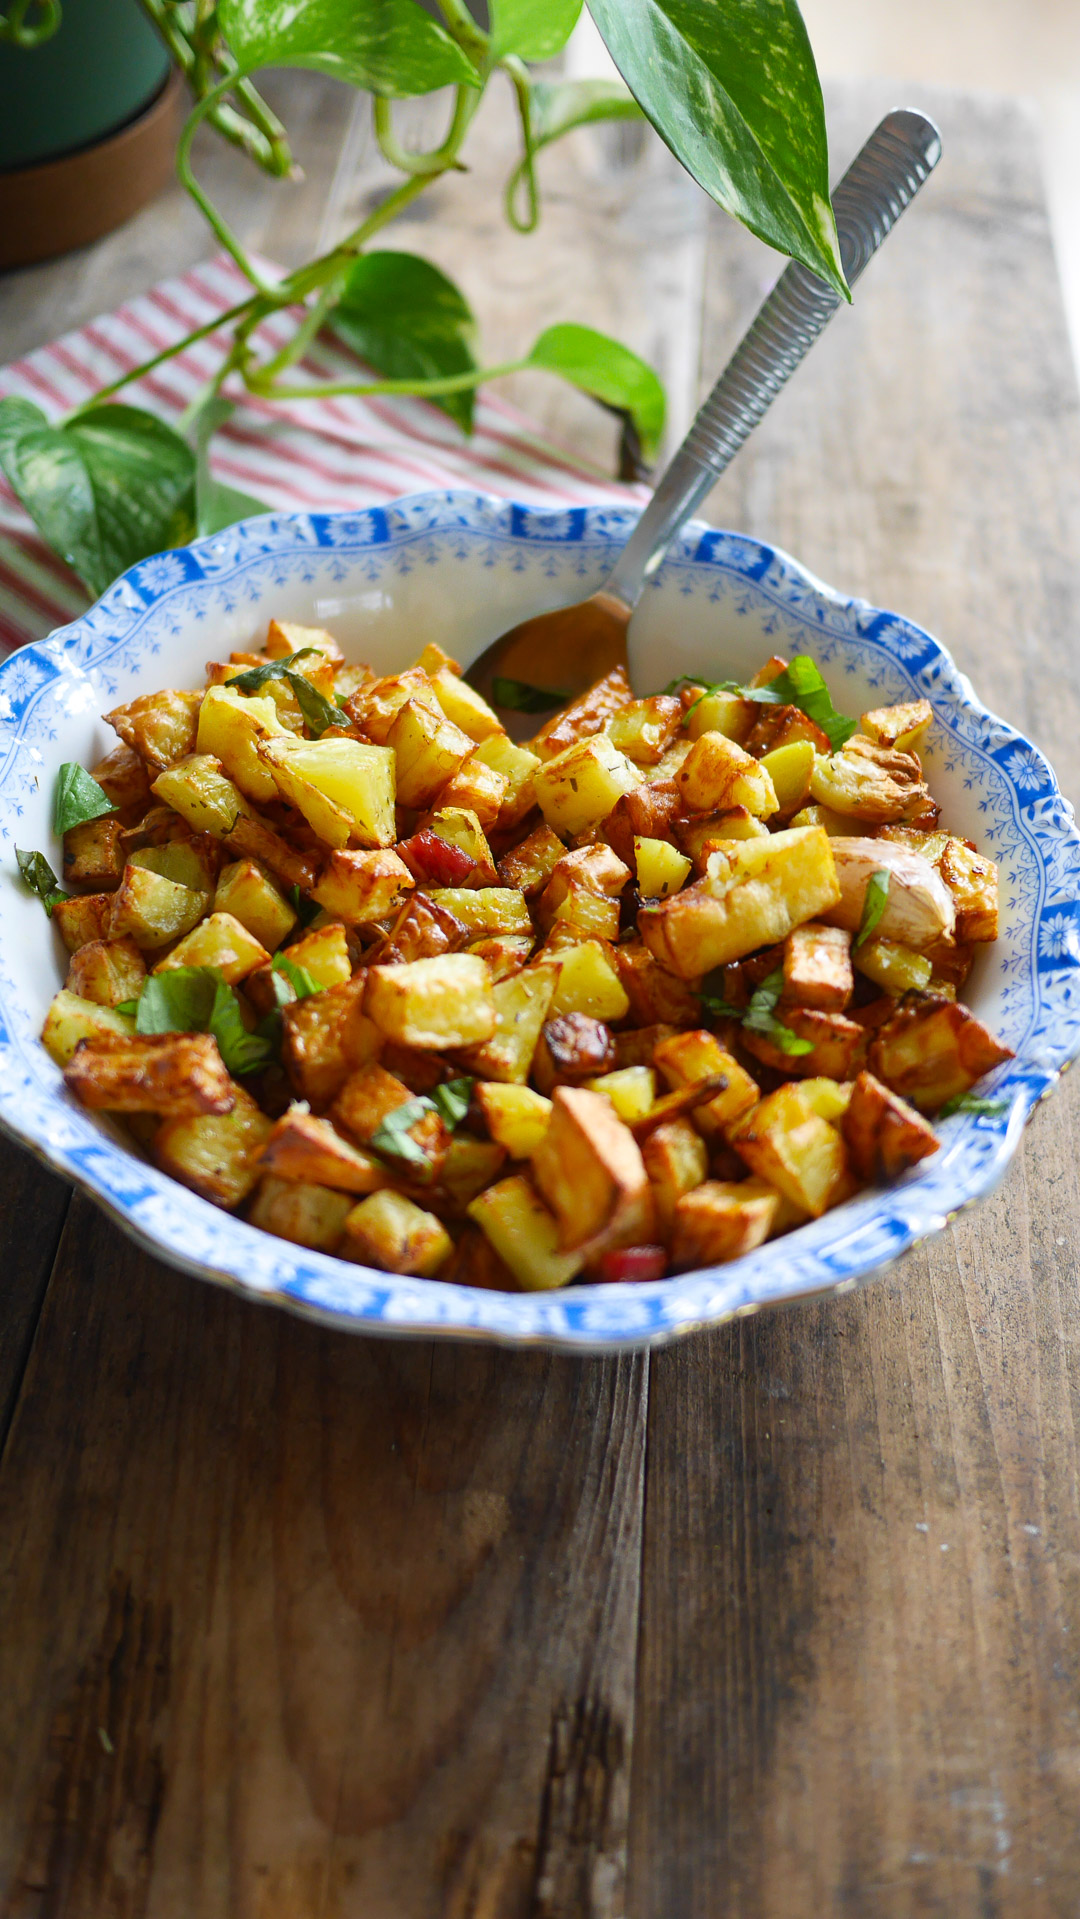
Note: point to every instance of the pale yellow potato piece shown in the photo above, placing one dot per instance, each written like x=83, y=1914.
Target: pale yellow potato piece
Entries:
x=516, y=766
x=464, y=706
x=516, y=1116
x=152, y=909
x=485, y=910
x=631, y=1090
x=717, y=774
x=217, y=1155
x=71, y=1019
x=231, y=724
x=428, y=750
x=198, y=789
x=360, y=886
x=304, y=1213
x=589, y=982
x=525, y=1235
x=344, y=789
x=754, y=893
x=661, y=868
x=790, y=769
x=580, y=785
x=393, y=1233
x=448, y=1001
x=246, y=890
x=588, y=1168
x=220, y=941
x=522, y=1004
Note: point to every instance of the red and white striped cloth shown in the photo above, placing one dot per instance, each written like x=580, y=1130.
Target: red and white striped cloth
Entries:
x=299, y=454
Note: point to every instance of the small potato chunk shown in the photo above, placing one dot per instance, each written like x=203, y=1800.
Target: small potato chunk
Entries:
x=362, y=886
x=725, y=713
x=530, y=865
x=932, y=1050
x=422, y=930
x=790, y=768
x=656, y=996
x=327, y=1036
x=174, y=1073
x=591, y=869
x=648, y=811
x=869, y=782
x=720, y=1221
x=71, y=1019
x=588, y=981
x=324, y=953
x=581, y=784
x=676, y=1160
x=428, y=751
x=459, y=827
x=393, y=1233
x=525, y=1235
x=884, y=1134
x=902, y=727
x=375, y=708
x=483, y=790
x=121, y=776
x=586, y=715
x=248, y=893
x=367, y=1100
x=187, y=861
x=778, y=727
x=505, y=955
x=893, y=967
x=441, y=1002
x=691, y=1059
x=218, y=941
x=973, y=882
x=661, y=868
x=94, y=855
x=231, y=724
x=644, y=729
x=795, y=1150
x=463, y=705
x=254, y=839
x=817, y=967
x=469, y=1166
x=344, y=789
x=836, y=1045
x=197, y=789
x=717, y=774
x=516, y=767
x=700, y=837
x=589, y=1170
x=588, y=914
x=159, y=726
x=522, y=1004
x=631, y=1090
x=308, y=1215
x=217, y=1156
x=484, y=911
x=754, y=893
x=302, y=1147
x=152, y=909
x=83, y=919
x=572, y=1048
x=515, y=1116
x=285, y=637
x=919, y=908
x=107, y=971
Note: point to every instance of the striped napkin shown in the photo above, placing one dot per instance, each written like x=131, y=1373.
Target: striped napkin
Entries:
x=295, y=455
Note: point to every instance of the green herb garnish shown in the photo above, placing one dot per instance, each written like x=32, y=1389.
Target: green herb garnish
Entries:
x=875, y=900
x=451, y=1100
x=800, y=684
x=196, y=999
x=318, y=711
x=78, y=798
x=41, y=879
x=394, y=1138
x=305, y=910
x=760, y=1017
x=973, y=1103
x=290, y=981
x=520, y=697
x=713, y=1000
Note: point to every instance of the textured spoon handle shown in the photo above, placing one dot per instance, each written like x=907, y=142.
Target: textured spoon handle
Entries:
x=885, y=177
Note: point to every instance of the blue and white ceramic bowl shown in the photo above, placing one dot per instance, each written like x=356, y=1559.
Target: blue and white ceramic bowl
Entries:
x=460, y=568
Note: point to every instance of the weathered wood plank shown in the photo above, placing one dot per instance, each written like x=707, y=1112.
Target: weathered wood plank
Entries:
x=31, y=1221
x=858, y=1689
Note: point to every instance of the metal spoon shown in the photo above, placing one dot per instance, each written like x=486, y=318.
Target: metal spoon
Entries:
x=570, y=647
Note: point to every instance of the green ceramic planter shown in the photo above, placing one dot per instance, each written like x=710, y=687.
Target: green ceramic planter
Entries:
x=100, y=70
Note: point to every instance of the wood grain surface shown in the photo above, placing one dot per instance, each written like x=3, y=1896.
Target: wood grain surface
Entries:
x=298, y=1626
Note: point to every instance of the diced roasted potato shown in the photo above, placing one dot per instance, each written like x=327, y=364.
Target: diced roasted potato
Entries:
x=485, y=911
x=487, y=790
x=588, y=981
x=631, y=1090
x=284, y=637
x=428, y=751
x=697, y=1058
x=700, y=837
x=231, y=724
x=529, y=865
x=70, y=1020
x=834, y=824
x=903, y=727
x=656, y=996
x=152, y=909
x=324, y=953
x=590, y=915
x=219, y=941
x=94, y=855
x=895, y=968
x=572, y=1048
x=469, y=1166
x=973, y=882
x=932, y=1050
x=378, y=704
x=515, y=1116
x=393, y=1233
x=83, y=919
x=363, y=886
x=661, y=868
x=458, y=826
x=719, y=1221
x=216, y=1155
x=778, y=727
x=586, y=715
x=588, y=1168
x=302, y=1147
x=107, y=971
x=869, y=782
x=199, y=791
x=918, y=906
x=580, y=785
x=327, y=1036
x=159, y=726
x=726, y=713
x=644, y=729
x=648, y=811
x=121, y=776
x=504, y=955
x=717, y=774
x=174, y=1073
x=441, y=1002
x=463, y=705
x=836, y=1044
x=436, y=862
x=254, y=839
x=593, y=869
x=344, y=789
x=525, y=1235
x=191, y=861
x=755, y=892
x=676, y=1160
x=521, y=1004
x=790, y=767
x=247, y=892
x=423, y=929
x=796, y=1150
x=367, y=1100
x=308, y=1215
x=817, y=967
x=884, y=1135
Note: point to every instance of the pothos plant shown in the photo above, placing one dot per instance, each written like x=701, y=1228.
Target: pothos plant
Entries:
x=730, y=86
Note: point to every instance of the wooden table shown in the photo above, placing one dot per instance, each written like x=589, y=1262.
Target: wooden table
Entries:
x=780, y=1621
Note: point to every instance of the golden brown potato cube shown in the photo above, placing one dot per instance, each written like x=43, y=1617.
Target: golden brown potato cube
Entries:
x=790, y=767
x=309, y=1215
x=375, y=708
x=516, y=767
x=505, y=955
x=588, y=914
x=817, y=967
x=459, y=826
x=422, y=930
x=525, y=1235
x=284, y=637
x=932, y=1050
x=363, y=886
x=894, y=967
x=107, y=971
x=584, y=716
x=199, y=791
x=247, y=892
x=636, y=1047
x=644, y=729
x=593, y=869
x=350, y=679
x=691, y=1059
x=393, y=1233
x=463, y=705
x=188, y=860
x=302, y=1147
x=94, y=856
x=152, y=909
x=753, y=893
x=661, y=868
x=121, y=776
x=83, y=919
x=484, y=911
x=435, y=659
x=676, y=1160
x=836, y=1044
x=698, y=838
x=428, y=752
x=159, y=726
x=580, y=786
x=529, y=865
x=884, y=1135
x=869, y=782
x=777, y=727
x=588, y=1168
x=631, y=1090
x=903, y=727
x=719, y=1221
x=656, y=996
x=795, y=1150
x=487, y=790
x=174, y=1073
x=256, y=840
x=650, y=811
x=522, y=1004
x=327, y=1036
x=70, y=1020
x=217, y=1156
x=231, y=724
x=973, y=882
x=343, y=787
x=469, y=1166
x=366, y=1102
x=726, y=713
x=515, y=1116
x=570, y=1049
x=219, y=941
x=324, y=953
x=716, y=775
x=441, y=1002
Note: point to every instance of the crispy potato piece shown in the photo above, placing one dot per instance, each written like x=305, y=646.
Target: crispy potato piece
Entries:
x=579, y=786
x=636, y=1046
x=362, y=886
x=247, y=892
x=589, y=1170
x=817, y=967
x=973, y=882
x=176, y=1073
x=284, y=637
x=464, y=706
x=796, y=1150
x=525, y=1235
x=83, y=919
x=216, y=1155
x=894, y=967
x=327, y=1036
x=932, y=1050
x=778, y=727
x=717, y=774
x=530, y=865
x=588, y=980
x=591, y=869
x=902, y=727
x=436, y=862
x=121, y=776
x=302, y=1147
x=324, y=953
x=755, y=892
x=631, y=1090
x=725, y=713
x=152, y=909
x=499, y=794
x=676, y=1160
x=870, y=782
x=485, y=911
x=344, y=788
x=367, y=1099
x=218, y=941
x=584, y=716
x=661, y=868
x=416, y=1070
x=719, y=1221
x=522, y=1004
x=393, y=1233
x=308, y=1215
x=884, y=1135
x=588, y=915
x=422, y=930
x=375, y=708
x=837, y=1044
x=644, y=729
x=505, y=955
x=570, y=1049
x=94, y=856
x=231, y=724
x=691, y=1059
x=258, y=841
x=649, y=811
x=160, y=727
x=106, y=971
x=428, y=751
x=70, y=1020
x=197, y=789
x=700, y=837
x=656, y=996
x=918, y=908
x=515, y=1116
x=441, y=1002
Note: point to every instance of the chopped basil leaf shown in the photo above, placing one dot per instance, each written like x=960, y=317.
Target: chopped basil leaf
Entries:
x=242, y=1052
x=291, y=982
x=180, y=1000
x=318, y=711
x=305, y=910
x=451, y=1100
x=129, y=1008
x=254, y=678
x=520, y=697
x=711, y=995
x=78, y=798
x=393, y=1138
x=973, y=1103
x=41, y=879
x=760, y=1017
x=875, y=901
x=800, y=684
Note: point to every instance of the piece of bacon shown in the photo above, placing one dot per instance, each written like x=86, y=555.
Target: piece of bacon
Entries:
x=633, y=1262
x=436, y=862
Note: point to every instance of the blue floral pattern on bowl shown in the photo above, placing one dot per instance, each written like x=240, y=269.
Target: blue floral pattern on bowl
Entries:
x=459, y=568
